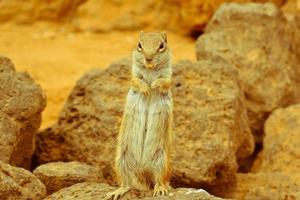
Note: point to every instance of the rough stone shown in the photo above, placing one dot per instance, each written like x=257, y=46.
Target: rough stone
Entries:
x=18, y=183
x=281, y=152
x=91, y=191
x=21, y=103
x=58, y=175
x=187, y=17
x=210, y=122
x=255, y=38
x=32, y=10
x=266, y=186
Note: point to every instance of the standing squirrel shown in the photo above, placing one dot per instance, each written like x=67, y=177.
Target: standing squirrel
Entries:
x=144, y=141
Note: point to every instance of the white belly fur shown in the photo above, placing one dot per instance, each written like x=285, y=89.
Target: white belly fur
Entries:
x=148, y=124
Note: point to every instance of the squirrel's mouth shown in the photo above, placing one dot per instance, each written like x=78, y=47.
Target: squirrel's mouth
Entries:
x=149, y=65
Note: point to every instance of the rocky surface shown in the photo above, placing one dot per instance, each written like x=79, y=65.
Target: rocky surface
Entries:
x=188, y=17
x=281, y=152
x=18, y=183
x=21, y=103
x=257, y=40
x=91, y=191
x=266, y=186
x=58, y=175
x=210, y=124
x=89, y=122
x=32, y=10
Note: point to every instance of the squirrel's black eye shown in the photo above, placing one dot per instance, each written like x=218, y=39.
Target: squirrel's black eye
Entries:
x=139, y=47
x=161, y=46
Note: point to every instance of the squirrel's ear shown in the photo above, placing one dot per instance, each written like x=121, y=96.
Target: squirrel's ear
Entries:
x=164, y=35
x=141, y=34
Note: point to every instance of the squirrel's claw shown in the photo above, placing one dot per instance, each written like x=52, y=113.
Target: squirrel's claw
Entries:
x=160, y=191
x=116, y=194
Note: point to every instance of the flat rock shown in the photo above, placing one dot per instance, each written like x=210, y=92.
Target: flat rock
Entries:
x=281, y=152
x=18, y=183
x=21, y=103
x=58, y=175
x=258, y=41
x=210, y=122
x=91, y=191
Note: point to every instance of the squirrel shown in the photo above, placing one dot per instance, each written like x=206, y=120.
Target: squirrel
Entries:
x=143, y=150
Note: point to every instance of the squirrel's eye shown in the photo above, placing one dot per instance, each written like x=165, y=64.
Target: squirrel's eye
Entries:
x=139, y=47
x=161, y=46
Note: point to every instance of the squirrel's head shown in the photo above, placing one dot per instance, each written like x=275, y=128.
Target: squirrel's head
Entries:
x=152, y=50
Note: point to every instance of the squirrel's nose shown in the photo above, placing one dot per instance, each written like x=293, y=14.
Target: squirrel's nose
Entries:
x=148, y=59
x=148, y=56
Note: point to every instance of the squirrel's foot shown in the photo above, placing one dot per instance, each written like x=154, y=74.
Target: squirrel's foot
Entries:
x=117, y=193
x=160, y=190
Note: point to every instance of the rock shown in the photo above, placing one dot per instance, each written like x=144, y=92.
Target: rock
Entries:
x=277, y=166
x=89, y=122
x=281, y=152
x=255, y=38
x=266, y=186
x=187, y=17
x=211, y=125
x=32, y=10
x=91, y=191
x=58, y=175
x=210, y=122
x=21, y=103
x=18, y=183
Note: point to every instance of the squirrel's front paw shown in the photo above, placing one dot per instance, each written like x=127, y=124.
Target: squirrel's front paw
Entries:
x=145, y=90
x=162, y=88
x=155, y=84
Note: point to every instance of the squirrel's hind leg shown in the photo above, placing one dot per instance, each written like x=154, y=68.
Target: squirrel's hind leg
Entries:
x=162, y=176
x=161, y=187
x=123, y=189
x=125, y=171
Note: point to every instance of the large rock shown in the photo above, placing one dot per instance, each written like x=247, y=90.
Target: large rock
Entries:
x=188, y=17
x=211, y=125
x=58, y=175
x=91, y=191
x=266, y=186
x=281, y=147
x=89, y=122
x=257, y=40
x=32, y=10
x=18, y=183
x=21, y=104
x=210, y=122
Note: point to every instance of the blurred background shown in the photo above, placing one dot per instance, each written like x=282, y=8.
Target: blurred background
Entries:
x=56, y=41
